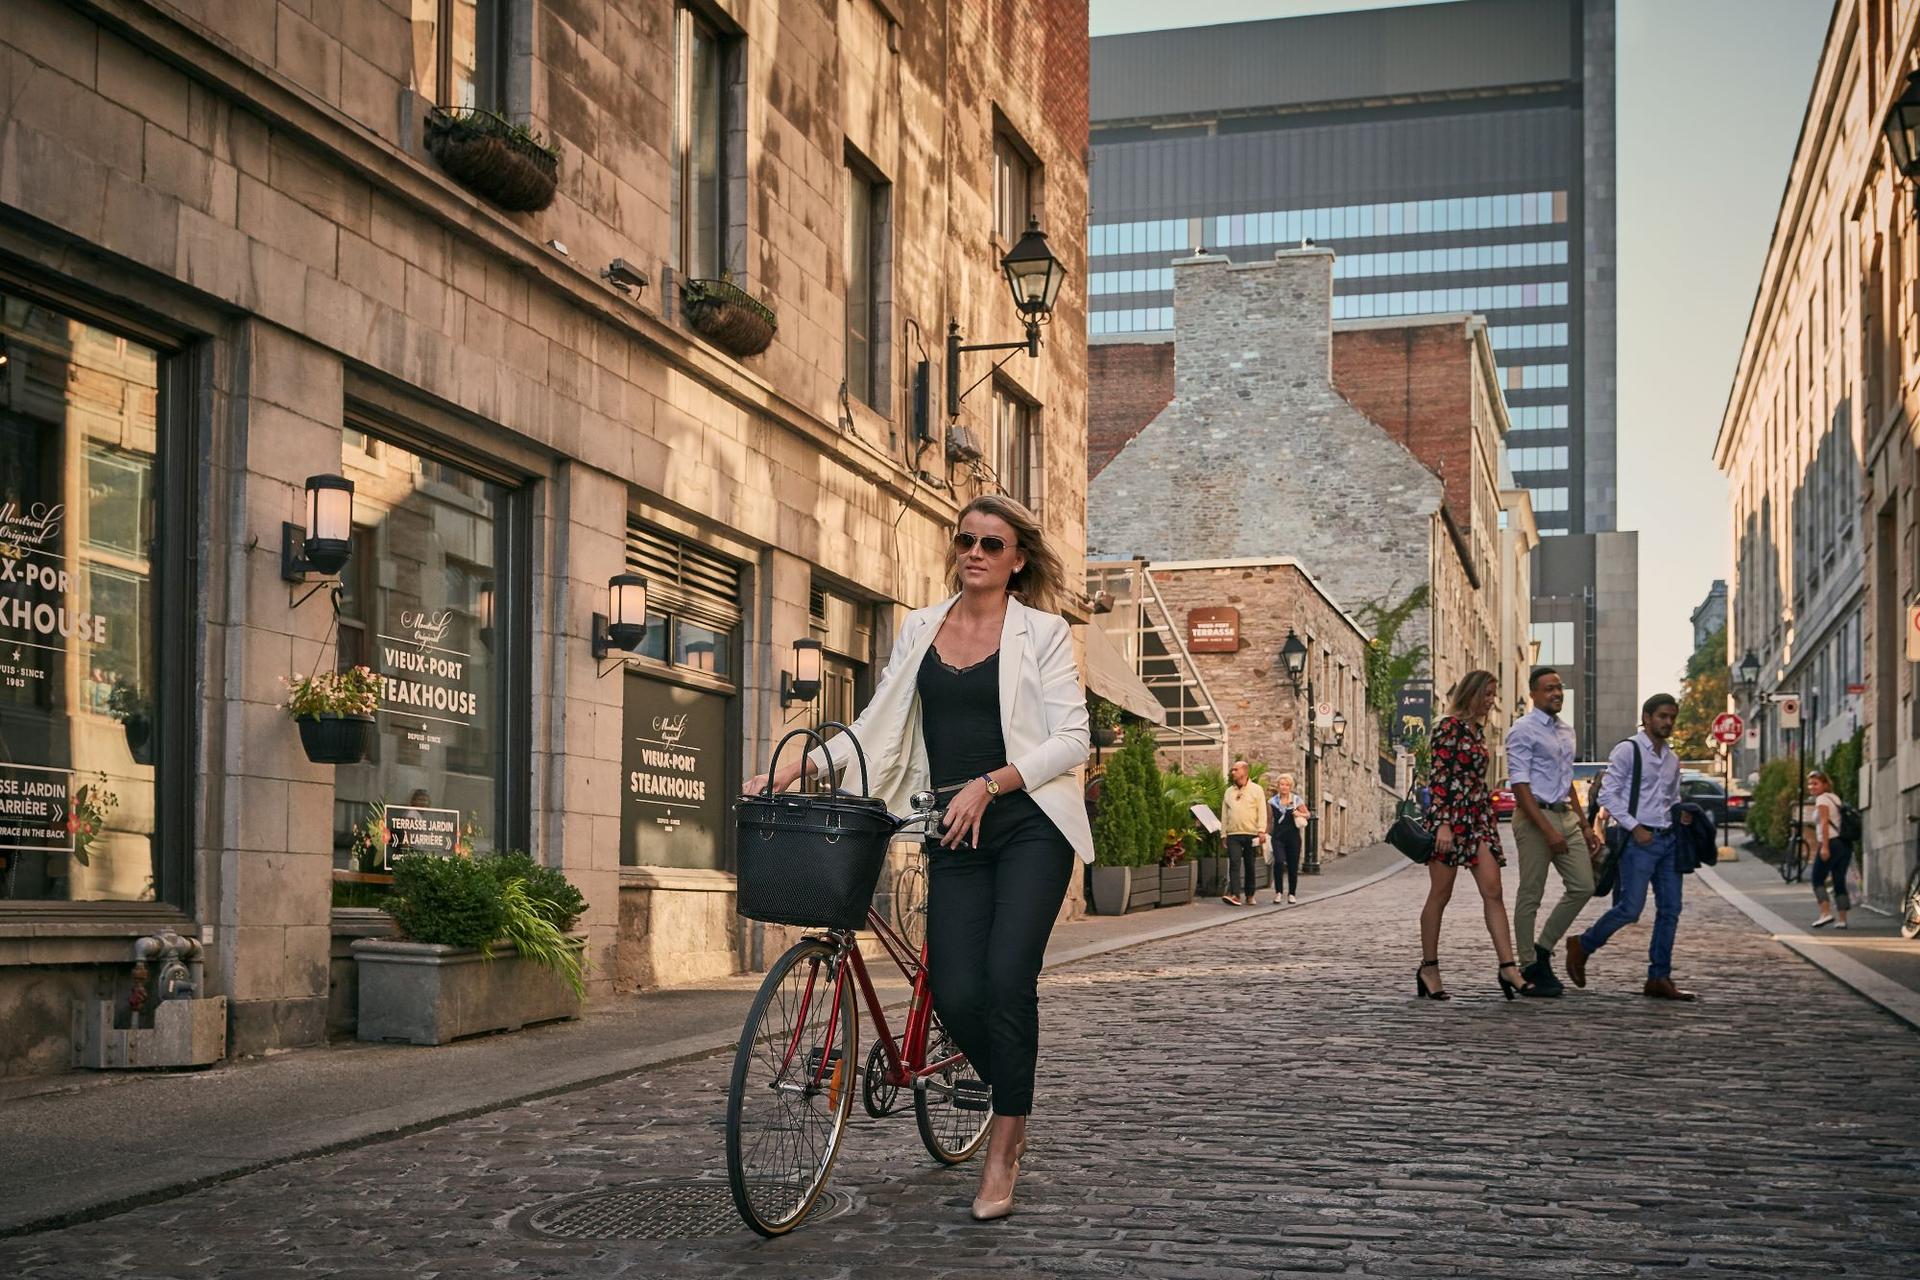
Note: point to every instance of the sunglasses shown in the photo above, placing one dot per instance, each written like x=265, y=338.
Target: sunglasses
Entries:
x=989, y=544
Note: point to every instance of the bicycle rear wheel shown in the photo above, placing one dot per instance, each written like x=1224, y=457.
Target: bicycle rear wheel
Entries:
x=951, y=1134
x=794, y=1077
x=1792, y=863
x=910, y=902
x=1910, y=908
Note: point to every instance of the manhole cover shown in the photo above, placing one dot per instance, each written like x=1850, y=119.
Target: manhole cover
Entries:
x=657, y=1211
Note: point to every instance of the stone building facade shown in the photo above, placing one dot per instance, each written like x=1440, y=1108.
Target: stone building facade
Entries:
x=229, y=262
x=1519, y=535
x=1266, y=719
x=1818, y=441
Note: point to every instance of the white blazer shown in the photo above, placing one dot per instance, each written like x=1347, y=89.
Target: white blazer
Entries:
x=1043, y=717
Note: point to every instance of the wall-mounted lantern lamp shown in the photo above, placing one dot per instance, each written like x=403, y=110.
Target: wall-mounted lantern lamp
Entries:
x=802, y=682
x=1902, y=130
x=1293, y=656
x=624, y=625
x=324, y=546
x=1750, y=670
x=1339, y=727
x=1035, y=276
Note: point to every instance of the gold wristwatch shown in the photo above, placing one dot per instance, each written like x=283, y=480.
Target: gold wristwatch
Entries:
x=993, y=788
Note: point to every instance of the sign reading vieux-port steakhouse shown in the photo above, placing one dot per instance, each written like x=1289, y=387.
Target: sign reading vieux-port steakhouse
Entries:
x=674, y=763
x=34, y=805
x=36, y=588
x=425, y=685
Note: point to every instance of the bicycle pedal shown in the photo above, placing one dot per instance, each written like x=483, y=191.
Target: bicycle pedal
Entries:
x=813, y=1060
x=972, y=1095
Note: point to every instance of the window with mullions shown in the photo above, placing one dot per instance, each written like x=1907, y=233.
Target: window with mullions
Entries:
x=867, y=292
x=94, y=739
x=1014, y=180
x=429, y=602
x=460, y=52
x=708, y=144
x=1016, y=449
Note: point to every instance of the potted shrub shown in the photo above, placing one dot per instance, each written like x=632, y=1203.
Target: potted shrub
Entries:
x=485, y=945
x=1103, y=717
x=334, y=710
x=1128, y=827
x=1178, y=876
x=134, y=711
x=726, y=315
x=494, y=158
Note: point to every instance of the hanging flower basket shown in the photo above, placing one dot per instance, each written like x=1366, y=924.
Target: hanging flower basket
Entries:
x=139, y=738
x=332, y=739
x=726, y=315
x=494, y=158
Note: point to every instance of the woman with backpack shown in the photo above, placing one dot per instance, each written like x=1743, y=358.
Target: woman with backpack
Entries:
x=1832, y=851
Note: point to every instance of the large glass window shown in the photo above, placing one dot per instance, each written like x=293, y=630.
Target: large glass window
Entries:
x=427, y=601
x=1013, y=191
x=459, y=52
x=80, y=705
x=866, y=277
x=1016, y=453
x=705, y=146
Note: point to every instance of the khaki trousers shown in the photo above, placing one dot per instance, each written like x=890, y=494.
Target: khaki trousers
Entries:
x=1576, y=874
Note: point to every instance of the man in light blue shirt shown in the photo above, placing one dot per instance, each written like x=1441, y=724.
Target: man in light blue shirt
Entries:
x=1548, y=828
x=1649, y=854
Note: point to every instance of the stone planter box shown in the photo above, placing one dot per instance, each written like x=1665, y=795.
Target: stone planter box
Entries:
x=1213, y=876
x=1177, y=884
x=424, y=993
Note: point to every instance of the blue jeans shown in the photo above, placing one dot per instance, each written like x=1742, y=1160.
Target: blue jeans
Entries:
x=1655, y=863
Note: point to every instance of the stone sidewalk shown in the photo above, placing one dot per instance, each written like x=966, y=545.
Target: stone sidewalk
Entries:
x=83, y=1144
x=1257, y=1101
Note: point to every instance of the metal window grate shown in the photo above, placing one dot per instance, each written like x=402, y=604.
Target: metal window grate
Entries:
x=661, y=1211
x=685, y=578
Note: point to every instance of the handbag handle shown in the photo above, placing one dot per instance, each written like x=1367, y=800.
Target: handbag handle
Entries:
x=804, y=732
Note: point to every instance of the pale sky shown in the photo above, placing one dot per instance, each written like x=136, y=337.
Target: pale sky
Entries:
x=1711, y=93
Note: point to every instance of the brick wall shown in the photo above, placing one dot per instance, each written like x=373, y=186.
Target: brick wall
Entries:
x=1128, y=384
x=1265, y=719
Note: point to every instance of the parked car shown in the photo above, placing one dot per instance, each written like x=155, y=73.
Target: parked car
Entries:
x=1707, y=792
x=1504, y=804
x=1737, y=802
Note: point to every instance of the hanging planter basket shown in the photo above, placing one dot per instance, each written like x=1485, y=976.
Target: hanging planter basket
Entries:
x=332, y=739
x=139, y=738
x=1105, y=736
x=494, y=158
x=727, y=316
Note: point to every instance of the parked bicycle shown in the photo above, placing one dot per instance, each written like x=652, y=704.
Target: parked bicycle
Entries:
x=1793, y=859
x=814, y=861
x=1910, y=900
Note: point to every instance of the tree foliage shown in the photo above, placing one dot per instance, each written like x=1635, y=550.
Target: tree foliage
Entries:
x=1130, y=825
x=1703, y=695
x=1389, y=664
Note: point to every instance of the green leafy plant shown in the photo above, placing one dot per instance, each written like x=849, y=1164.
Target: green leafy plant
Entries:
x=93, y=803
x=492, y=124
x=549, y=891
x=1843, y=766
x=706, y=292
x=368, y=851
x=1419, y=744
x=1770, y=811
x=455, y=902
x=1390, y=667
x=353, y=692
x=530, y=928
x=1101, y=713
x=126, y=702
x=1703, y=696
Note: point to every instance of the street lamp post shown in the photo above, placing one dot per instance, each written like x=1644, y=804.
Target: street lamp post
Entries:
x=1293, y=658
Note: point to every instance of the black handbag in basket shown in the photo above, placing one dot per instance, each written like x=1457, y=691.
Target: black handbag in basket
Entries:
x=812, y=858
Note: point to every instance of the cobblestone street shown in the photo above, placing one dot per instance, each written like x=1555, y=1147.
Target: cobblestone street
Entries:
x=1263, y=1099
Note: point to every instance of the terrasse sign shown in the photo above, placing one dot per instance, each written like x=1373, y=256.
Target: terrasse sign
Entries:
x=1215, y=630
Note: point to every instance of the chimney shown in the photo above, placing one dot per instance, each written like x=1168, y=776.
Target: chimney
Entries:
x=1248, y=330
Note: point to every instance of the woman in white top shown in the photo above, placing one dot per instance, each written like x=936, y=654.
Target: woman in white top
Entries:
x=982, y=702
x=1831, y=852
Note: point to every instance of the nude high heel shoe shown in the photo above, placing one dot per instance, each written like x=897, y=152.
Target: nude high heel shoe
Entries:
x=985, y=1210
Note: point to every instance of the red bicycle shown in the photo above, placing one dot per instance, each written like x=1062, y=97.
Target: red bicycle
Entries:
x=793, y=1082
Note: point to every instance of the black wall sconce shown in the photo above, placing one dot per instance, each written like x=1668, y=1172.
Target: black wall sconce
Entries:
x=624, y=625
x=325, y=545
x=1902, y=131
x=1035, y=276
x=802, y=682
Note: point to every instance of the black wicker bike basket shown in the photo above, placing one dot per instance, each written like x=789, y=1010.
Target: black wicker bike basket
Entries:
x=812, y=859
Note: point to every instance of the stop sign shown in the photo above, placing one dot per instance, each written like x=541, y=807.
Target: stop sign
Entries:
x=1727, y=728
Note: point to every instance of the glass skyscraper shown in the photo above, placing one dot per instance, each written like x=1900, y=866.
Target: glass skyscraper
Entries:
x=1457, y=157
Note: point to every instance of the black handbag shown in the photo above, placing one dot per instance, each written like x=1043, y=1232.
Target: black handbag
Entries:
x=812, y=858
x=1411, y=836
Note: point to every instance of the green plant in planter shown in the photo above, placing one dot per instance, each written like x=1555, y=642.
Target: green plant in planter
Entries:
x=353, y=692
x=127, y=702
x=549, y=890
x=530, y=928
x=454, y=902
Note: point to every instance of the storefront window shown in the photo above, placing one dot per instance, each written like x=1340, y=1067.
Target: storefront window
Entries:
x=79, y=460
x=425, y=602
x=680, y=717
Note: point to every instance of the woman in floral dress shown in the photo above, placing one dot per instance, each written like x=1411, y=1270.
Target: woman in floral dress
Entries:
x=1466, y=833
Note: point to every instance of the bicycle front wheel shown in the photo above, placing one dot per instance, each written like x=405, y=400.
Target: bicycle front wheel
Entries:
x=794, y=1077
x=1910, y=908
x=952, y=1134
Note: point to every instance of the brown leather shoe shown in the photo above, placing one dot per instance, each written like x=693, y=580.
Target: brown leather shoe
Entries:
x=1663, y=989
x=1576, y=961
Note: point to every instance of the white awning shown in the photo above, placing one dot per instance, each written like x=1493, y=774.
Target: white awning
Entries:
x=1110, y=675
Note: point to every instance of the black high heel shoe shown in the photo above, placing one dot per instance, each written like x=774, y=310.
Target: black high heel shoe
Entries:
x=1508, y=989
x=1421, y=989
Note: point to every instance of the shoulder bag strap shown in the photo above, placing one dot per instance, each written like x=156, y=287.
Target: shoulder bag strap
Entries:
x=1633, y=805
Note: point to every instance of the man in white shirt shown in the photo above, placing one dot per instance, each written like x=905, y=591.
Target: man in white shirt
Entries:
x=1548, y=828
x=1650, y=853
